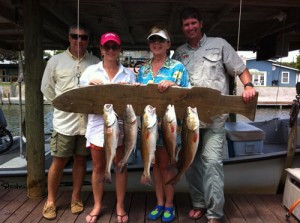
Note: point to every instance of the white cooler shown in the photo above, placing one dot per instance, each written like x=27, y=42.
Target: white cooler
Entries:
x=292, y=190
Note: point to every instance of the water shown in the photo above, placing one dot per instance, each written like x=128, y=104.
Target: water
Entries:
x=11, y=113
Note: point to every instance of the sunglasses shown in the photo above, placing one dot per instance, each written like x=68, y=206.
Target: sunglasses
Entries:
x=111, y=47
x=154, y=39
x=76, y=36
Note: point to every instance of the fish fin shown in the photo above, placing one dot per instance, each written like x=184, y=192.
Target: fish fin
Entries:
x=172, y=128
x=196, y=135
x=146, y=180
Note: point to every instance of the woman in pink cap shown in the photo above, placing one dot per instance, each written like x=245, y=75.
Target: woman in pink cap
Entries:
x=106, y=72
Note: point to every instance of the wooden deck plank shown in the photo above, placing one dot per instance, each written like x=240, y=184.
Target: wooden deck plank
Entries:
x=88, y=201
x=25, y=209
x=274, y=203
x=150, y=204
x=36, y=214
x=67, y=214
x=9, y=204
x=183, y=205
x=232, y=211
x=137, y=208
x=16, y=207
x=248, y=212
x=260, y=207
x=62, y=205
x=108, y=206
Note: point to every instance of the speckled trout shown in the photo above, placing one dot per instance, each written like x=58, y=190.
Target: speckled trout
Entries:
x=169, y=128
x=111, y=136
x=149, y=138
x=130, y=136
x=190, y=141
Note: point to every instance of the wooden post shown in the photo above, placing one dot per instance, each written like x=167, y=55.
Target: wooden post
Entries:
x=34, y=115
x=292, y=141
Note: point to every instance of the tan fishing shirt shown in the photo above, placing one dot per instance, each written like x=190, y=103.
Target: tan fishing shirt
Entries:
x=62, y=74
x=209, y=65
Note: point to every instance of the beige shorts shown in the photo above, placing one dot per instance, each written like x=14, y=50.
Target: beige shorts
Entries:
x=66, y=146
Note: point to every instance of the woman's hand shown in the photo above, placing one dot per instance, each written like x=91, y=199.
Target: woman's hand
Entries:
x=164, y=85
x=96, y=82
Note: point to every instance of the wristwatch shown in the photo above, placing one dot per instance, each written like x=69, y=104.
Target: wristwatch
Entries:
x=248, y=84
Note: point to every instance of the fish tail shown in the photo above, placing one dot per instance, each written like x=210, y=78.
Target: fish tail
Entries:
x=173, y=181
x=119, y=167
x=146, y=180
x=107, y=178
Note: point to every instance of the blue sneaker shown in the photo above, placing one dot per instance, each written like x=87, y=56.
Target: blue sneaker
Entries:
x=168, y=215
x=156, y=213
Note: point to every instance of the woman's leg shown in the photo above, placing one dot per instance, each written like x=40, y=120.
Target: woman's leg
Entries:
x=166, y=174
x=158, y=181
x=121, y=183
x=98, y=159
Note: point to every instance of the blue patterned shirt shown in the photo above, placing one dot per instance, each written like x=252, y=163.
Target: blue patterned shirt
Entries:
x=172, y=70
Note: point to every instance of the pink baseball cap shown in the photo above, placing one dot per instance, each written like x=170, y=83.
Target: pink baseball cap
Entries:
x=110, y=37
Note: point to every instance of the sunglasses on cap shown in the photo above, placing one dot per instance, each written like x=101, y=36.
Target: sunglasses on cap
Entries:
x=77, y=36
x=111, y=47
x=154, y=39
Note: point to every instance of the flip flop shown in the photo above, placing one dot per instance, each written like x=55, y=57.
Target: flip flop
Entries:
x=122, y=218
x=196, y=213
x=93, y=218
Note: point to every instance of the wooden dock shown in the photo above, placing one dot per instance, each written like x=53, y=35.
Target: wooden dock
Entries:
x=15, y=207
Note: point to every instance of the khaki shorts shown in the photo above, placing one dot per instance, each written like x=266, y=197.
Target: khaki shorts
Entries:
x=66, y=146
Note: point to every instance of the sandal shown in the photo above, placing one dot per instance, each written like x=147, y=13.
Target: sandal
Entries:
x=168, y=215
x=196, y=213
x=156, y=213
x=93, y=218
x=122, y=218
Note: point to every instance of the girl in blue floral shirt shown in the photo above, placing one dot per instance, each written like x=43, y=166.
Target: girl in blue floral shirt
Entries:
x=165, y=72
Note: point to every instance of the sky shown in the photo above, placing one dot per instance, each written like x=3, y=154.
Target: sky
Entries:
x=290, y=58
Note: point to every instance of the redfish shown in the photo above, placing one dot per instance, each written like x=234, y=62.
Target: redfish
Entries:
x=169, y=129
x=149, y=138
x=111, y=136
x=130, y=136
x=190, y=140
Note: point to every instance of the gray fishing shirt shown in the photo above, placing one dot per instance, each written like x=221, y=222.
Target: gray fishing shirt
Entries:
x=209, y=65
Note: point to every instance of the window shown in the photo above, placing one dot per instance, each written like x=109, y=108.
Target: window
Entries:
x=258, y=77
x=285, y=77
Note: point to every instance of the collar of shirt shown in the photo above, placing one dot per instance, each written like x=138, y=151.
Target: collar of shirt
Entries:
x=201, y=43
x=75, y=58
x=121, y=68
x=166, y=63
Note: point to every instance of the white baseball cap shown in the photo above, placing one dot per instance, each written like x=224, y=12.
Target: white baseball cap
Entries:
x=161, y=33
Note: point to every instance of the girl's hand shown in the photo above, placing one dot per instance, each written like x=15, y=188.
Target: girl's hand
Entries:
x=96, y=82
x=164, y=85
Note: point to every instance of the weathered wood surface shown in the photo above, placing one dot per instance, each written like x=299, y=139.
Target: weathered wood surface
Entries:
x=34, y=115
x=15, y=206
x=209, y=102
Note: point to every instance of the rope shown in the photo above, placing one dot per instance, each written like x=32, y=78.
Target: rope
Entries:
x=239, y=26
x=78, y=73
x=234, y=90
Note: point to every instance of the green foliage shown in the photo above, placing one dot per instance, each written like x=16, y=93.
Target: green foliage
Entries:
x=288, y=64
x=294, y=64
x=58, y=51
x=298, y=62
x=8, y=55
